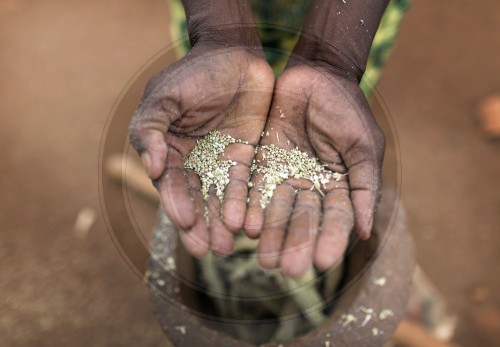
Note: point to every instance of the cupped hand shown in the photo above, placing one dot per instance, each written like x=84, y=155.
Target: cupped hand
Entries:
x=328, y=117
x=228, y=89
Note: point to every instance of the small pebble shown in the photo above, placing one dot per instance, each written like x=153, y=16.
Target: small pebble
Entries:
x=348, y=319
x=380, y=281
x=384, y=314
x=181, y=329
x=170, y=263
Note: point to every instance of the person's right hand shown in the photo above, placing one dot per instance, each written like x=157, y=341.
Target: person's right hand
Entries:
x=228, y=89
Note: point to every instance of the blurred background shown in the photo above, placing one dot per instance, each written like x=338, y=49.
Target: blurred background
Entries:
x=64, y=63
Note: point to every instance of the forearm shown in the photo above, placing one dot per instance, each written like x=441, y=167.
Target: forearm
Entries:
x=338, y=34
x=221, y=22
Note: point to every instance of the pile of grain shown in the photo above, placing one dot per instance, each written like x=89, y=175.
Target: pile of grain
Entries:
x=276, y=166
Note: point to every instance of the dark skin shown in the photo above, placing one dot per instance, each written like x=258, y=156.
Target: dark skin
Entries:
x=214, y=88
x=328, y=117
x=224, y=83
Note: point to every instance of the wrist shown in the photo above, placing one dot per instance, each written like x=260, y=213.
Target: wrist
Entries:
x=326, y=56
x=226, y=36
x=227, y=23
x=338, y=35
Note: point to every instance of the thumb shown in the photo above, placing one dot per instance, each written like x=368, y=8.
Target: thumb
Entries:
x=148, y=139
x=364, y=162
x=154, y=154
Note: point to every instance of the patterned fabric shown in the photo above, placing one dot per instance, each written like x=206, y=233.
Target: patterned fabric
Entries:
x=279, y=23
x=383, y=43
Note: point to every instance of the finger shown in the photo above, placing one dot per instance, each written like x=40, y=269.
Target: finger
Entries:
x=196, y=238
x=277, y=215
x=337, y=223
x=365, y=182
x=235, y=198
x=300, y=240
x=174, y=194
x=236, y=192
x=147, y=135
x=254, y=219
x=221, y=239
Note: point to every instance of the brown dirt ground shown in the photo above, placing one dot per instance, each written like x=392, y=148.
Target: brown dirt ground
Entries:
x=62, y=65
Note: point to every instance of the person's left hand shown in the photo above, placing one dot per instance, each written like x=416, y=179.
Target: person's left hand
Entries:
x=328, y=117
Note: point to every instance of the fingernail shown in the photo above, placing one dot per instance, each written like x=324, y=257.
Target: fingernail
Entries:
x=146, y=161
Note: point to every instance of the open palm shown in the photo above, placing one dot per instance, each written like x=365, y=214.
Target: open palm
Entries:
x=228, y=89
x=327, y=117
